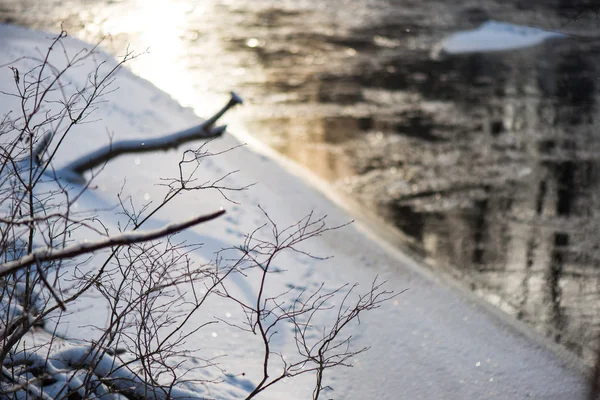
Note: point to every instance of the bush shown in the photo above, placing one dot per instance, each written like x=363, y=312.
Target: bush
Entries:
x=157, y=297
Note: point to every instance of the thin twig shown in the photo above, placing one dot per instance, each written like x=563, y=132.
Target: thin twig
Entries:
x=48, y=285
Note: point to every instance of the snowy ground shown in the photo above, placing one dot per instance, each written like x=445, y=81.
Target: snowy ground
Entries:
x=433, y=341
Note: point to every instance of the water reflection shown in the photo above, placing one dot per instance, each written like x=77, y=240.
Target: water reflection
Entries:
x=488, y=162
x=509, y=212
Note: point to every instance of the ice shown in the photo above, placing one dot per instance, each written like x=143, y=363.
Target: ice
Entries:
x=495, y=36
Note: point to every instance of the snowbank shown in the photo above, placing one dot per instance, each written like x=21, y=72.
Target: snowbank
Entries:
x=433, y=341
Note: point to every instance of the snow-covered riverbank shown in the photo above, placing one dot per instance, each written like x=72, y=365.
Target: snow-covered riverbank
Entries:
x=433, y=341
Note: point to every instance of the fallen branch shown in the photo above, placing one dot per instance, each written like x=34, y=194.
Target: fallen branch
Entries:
x=113, y=150
x=234, y=100
x=75, y=170
x=50, y=254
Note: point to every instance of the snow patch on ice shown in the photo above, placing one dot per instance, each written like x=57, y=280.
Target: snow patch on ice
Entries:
x=494, y=36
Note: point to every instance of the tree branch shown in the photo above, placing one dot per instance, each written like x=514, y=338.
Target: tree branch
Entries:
x=98, y=157
x=50, y=254
x=74, y=171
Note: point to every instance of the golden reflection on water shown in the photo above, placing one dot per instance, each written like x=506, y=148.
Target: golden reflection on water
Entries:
x=187, y=52
x=159, y=31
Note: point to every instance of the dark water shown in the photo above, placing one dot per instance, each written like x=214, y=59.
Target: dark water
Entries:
x=489, y=163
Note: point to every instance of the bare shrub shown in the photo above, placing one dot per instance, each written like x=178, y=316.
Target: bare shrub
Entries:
x=154, y=292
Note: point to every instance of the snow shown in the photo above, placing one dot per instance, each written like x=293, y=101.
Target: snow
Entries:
x=495, y=36
x=436, y=340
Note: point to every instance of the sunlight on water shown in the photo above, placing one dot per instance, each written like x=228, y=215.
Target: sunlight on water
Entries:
x=159, y=25
x=161, y=33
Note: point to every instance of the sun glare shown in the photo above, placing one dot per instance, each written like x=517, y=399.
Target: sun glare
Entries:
x=158, y=27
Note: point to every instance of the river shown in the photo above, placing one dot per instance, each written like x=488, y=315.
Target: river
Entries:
x=487, y=163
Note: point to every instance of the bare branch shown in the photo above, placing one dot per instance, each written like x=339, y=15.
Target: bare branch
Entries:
x=234, y=100
x=50, y=254
x=74, y=171
x=49, y=286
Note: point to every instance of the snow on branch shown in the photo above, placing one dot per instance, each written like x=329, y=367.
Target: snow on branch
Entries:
x=50, y=254
x=75, y=170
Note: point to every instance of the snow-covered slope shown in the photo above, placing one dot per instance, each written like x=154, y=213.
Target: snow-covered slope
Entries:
x=433, y=341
